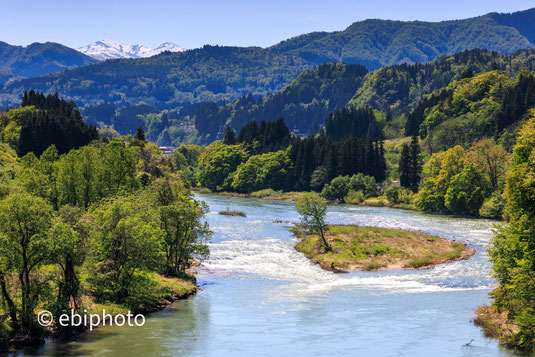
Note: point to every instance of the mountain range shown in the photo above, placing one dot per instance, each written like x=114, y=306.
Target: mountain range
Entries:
x=376, y=43
x=109, y=49
x=215, y=73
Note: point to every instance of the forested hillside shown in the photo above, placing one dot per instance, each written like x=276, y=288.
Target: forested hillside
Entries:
x=490, y=104
x=38, y=59
x=211, y=73
x=214, y=73
x=307, y=101
x=43, y=121
x=377, y=43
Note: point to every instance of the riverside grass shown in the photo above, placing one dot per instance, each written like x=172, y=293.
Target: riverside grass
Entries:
x=372, y=248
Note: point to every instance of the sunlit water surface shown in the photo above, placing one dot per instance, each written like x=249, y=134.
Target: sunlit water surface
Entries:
x=261, y=297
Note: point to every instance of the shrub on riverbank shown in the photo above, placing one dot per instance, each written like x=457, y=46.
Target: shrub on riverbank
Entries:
x=497, y=325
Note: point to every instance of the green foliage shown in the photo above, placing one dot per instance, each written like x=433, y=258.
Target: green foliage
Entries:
x=360, y=123
x=493, y=206
x=354, y=197
x=375, y=43
x=364, y=183
x=411, y=165
x=492, y=160
x=271, y=170
x=337, y=189
x=211, y=73
x=267, y=192
x=512, y=249
x=313, y=210
x=57, y=122
x=441, y=168
x=392, y=193
x=24, y=223
x=217, y=162
x=466, y=192
x=79, y=227
x=341, y=186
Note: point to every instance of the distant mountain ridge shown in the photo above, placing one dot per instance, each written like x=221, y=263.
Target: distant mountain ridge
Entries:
x=109, y=49
x=376, y=43
x=218, y=73
x=38, y=59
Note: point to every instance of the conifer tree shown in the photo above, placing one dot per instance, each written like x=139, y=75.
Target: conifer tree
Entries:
x=229, y=138
x=410, y=165
x=140, y=134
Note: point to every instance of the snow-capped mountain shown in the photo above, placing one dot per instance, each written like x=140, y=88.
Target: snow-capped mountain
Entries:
x=167, y=46
x=107, y=49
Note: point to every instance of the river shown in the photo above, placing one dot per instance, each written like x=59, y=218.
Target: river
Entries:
x=261, y=297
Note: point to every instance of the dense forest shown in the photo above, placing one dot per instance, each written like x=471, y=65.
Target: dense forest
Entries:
x=401, y=93
x=105, y=224
x=42, y=121
x=211, y=73
x=376, y=43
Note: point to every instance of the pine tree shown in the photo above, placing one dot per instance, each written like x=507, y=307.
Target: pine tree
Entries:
x=404, y=166
x=140, y=134
x=416, y=163
x=229, y=138
x=411, y=165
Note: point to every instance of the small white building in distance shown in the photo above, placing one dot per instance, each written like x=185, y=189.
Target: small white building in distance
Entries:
x=167, y=150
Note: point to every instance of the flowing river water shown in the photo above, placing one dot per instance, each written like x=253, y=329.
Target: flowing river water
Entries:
x=261, y=297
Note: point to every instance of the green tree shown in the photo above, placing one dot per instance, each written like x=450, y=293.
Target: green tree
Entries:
x=186, y=234
x=411, y=165
x=217, y=162
x=182, y=220
x=313, y=210
x=364, y=183
x=492, y=160
x=140, y=135
x=337, y=189
x=24, y=223
x=512, y=251
x=271, y=170
x=466, y=192
x=230, y=137
x=126, y=240
x=441, y=167
x=69, y=243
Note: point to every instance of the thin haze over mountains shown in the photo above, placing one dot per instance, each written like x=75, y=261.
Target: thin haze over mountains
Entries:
x=109, y=49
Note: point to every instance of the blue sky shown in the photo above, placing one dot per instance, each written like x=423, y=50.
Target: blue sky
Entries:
x=194, y=23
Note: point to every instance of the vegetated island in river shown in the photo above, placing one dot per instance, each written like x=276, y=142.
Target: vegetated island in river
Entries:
x=371, y=248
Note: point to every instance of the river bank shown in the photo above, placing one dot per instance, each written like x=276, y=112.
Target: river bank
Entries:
x=164, y=292
x=295, y=195
x=356, y=248
x=497, y=325
x=260, y=294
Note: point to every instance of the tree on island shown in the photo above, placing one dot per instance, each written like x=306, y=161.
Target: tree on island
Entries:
x=313, y=210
